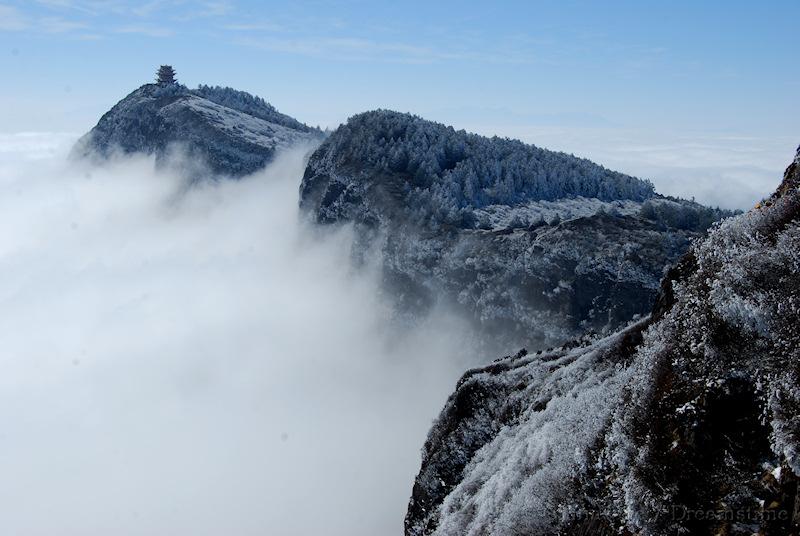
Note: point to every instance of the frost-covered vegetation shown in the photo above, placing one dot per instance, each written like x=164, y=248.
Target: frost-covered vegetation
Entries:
x=442, y=174
x=671, y=213
x=687, y=422
x=538, y=213
x=249, y=104
x=541, y=285
x=682, y=214
x=534, y=244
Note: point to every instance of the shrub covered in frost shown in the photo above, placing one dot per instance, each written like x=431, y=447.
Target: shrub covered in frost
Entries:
x=682, y=214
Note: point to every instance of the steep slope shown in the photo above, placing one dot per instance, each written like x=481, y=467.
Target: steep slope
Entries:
x=535, y=246
x=230, y=131
x=686, y=422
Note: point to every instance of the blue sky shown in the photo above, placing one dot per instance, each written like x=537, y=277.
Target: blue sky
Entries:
x=632, y=84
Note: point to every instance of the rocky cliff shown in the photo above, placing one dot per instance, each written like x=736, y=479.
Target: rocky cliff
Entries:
x=685, y=422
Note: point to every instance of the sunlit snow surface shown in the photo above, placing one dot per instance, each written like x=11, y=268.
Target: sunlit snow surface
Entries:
x=235, y=123
x=197, y=360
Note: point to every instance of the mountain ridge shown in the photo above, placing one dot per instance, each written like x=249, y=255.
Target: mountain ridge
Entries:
x=460, y=171
x=532, y=246
x=535, y=246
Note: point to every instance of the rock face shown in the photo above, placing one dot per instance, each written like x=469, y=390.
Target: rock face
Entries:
x=685, y=422
x=231, y=132
x=535, y=246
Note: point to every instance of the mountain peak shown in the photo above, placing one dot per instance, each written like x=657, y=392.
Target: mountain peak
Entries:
x=232, y=132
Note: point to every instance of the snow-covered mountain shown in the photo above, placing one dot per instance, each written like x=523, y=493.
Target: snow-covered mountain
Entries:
x=685, y=422
x=536, y=246
x=232, y=132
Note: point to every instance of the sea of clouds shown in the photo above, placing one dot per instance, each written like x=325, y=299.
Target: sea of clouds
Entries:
x=199, y=359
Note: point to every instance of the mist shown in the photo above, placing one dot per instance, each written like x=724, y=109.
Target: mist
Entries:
x=199, y=360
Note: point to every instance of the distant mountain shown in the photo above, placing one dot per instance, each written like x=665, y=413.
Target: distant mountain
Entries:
x=536, y=246
x=685, y=422
x=232, y=132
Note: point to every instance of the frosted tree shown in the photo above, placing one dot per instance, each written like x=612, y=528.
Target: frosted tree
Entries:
x=165, y=75
x=249, y=104
x=452, y=172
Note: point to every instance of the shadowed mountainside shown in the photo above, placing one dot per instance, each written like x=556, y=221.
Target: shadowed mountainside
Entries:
x=535, y=246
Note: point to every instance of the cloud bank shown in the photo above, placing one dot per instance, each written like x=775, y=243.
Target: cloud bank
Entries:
x=199, y=360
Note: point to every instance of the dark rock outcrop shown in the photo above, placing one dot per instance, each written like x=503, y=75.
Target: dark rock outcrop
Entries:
x=686, y=422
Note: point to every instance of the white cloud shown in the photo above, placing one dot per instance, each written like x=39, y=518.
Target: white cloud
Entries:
x=198, y=361
x=254, y=27
x=210, y=9
x=26, y=146
x=146, y=15
x=59, y=25
x=362, y=49
x=12, y=19
x=146, y=29
x=146, y=9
